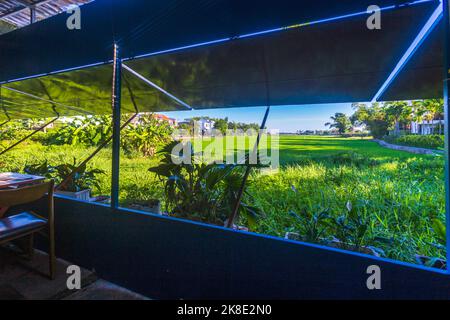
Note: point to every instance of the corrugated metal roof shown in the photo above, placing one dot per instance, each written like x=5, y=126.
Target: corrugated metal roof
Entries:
x=17, y=13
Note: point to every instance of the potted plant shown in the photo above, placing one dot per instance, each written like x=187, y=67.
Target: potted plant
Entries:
x=42, y=169
x=200, y=191
x=80, y=184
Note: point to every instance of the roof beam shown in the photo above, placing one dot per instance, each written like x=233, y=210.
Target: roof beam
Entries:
x=420, y=38
x=154, y=85
x=22, y=5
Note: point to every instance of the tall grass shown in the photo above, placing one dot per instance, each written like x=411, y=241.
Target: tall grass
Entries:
x=398, y=194
x=399, y=199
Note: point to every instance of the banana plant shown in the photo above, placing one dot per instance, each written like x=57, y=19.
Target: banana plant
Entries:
x=146, y=136
x=201, y=191
x=84, y=179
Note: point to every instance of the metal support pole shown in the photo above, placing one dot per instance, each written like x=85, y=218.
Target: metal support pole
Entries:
x=116, y=104
x=4, y=123
x=92, y=155
x=446, y=74
x=32, y=14
x=8, y=118
x=154, y=85
x=248, y=169
x=103, y=144
x=234, y=214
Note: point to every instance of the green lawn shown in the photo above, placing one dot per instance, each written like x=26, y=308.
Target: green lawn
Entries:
x=395, y=194
x=294, y=148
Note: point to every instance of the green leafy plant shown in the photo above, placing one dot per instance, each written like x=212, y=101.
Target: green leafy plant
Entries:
x=146, y=136
x=419, y=141
x=351, y=228
x=87, y=131
x=312, y=227
x=42, y=169
x=83, y=179
x=200, y=191
x=441, y=231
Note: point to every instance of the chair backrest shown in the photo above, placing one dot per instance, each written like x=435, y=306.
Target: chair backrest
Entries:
x=16, y=197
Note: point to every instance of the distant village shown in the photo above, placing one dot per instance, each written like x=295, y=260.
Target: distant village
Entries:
x=195, y=125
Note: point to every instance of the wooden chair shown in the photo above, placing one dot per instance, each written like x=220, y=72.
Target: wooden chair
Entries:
x=26, y=224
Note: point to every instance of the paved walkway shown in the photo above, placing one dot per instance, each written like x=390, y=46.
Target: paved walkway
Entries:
x=27, y=280
x=407, y=149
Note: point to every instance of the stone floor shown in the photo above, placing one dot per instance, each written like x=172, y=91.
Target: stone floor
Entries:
x=28, y=280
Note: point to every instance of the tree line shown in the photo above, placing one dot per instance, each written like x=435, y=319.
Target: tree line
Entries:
x=219, y=124
x=381, y=118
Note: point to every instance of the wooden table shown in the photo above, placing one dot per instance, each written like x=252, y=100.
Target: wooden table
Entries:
x=10, y=180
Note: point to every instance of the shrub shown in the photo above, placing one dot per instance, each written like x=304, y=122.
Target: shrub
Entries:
x=203, y=192
x=84, y=179
x=146, y=136
x=13, y=131
x=419, y=141
x=87, y=131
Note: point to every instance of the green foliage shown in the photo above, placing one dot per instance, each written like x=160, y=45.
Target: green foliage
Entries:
x=340, y=122
x=383, y=198
x=351, y=229
x=352, y=159
x=86, y=131
x=380, y=118
x=312, y=226
x=200, y=191
x=82, y=180
x=221, y=125
x=374, y=117
x=441, y=231
x=398, y=195
x=243, y=126
x=146, y=136
x=13, y=131
x=419, y=141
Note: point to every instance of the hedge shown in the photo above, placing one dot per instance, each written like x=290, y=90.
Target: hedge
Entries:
x=419, y=141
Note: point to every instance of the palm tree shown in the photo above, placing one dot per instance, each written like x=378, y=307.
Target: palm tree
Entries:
x=428, y=110
x=435, y=108
x=340, y=122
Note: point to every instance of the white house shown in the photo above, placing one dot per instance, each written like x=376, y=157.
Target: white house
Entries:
x=205, y=126
x=428, y=127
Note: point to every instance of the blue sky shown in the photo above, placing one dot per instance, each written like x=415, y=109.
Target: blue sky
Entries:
x=283, y=118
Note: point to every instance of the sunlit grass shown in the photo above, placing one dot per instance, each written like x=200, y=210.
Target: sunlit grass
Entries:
x=400, y=193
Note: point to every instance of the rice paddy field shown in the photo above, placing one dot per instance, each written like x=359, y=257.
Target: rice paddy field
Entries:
x=326, y=188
